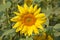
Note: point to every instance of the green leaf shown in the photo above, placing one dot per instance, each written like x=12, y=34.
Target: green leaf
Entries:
x=57, y=30
x=47, y=11
x=57, y=27
x=57, y=38
x=56, y=34
x=49, y=30
x=8, y=32
x=4, y=6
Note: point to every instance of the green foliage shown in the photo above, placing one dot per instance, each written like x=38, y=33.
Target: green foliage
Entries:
x=50, y=7
x=4, y=6
x=57, y=27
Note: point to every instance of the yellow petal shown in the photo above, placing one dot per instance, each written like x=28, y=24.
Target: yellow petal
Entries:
x=19, y=28
x=35, y=8
x=17, y=25
x=37, y=12
x=39, y=21
x=25, y=7
x=30, y=31
x=41, y=15
x=24, y=29
x=15, y=19
x=40, y=27
x=21, y=9
x=35, y=30
x=25, y=33
x=18, y=14
x=31, y=9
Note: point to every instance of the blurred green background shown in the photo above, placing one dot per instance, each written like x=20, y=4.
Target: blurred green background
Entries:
x=50, y=7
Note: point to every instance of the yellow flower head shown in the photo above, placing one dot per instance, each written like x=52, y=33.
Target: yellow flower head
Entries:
x=28, y=20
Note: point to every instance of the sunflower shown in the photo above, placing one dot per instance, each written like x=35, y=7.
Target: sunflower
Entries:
x=28, y=20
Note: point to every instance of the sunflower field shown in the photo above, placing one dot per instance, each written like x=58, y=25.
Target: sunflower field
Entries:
x=29, y=19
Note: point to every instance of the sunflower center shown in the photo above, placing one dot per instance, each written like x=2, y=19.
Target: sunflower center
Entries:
x=28, y=19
